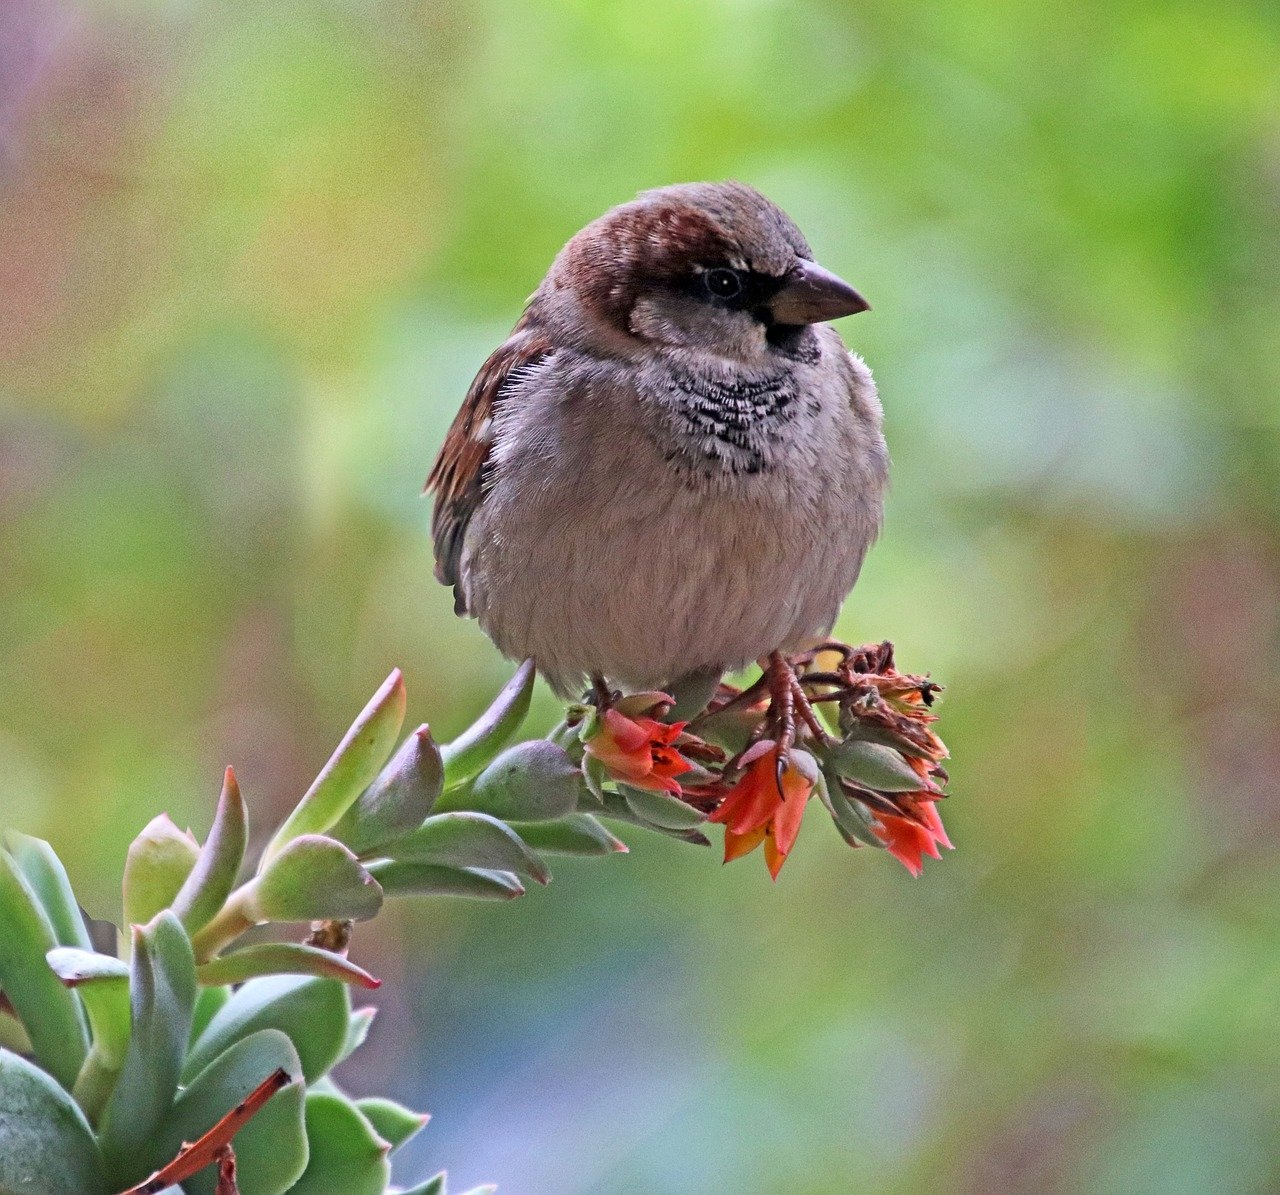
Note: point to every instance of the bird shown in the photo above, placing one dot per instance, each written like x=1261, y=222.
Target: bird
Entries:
x=673, y=467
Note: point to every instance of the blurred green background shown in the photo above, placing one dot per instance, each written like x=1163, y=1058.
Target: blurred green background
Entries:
x=250, y=257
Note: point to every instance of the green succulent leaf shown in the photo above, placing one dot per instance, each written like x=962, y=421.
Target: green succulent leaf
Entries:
x=532, y=781
x=856, y=730
x=208, y=1001
x=657, y=809
x=210, y=882
x=76, y=967
x=469, y=840
x=271, y=1150
x=616, y=807
x=156, y=867
x=313, y=879
x=358, y=1025
x=876, y=767
x=13, y=1035
x=50, y=1013
x=345, y=1152
x=162, y=991
x=47, y=878
x=313, y=1013
x=436, y=1185
x=400, y=797
x=468, y=754
x=283, y=958
x=730, y=729
x=852, y=819
x=430, y=879
x=393, y=1122
x=103, y=983
x=46, y=1145
x=594, y=775
x=577, y=834
x=350, y=770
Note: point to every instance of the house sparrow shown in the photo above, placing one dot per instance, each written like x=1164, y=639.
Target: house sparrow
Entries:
x=673, y=466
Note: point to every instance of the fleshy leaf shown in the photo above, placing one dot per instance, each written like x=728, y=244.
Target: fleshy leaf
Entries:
x=206, y=889
x=430, y=879
x=358, y=1025
x=46, y=1145
x=877, y=767
x=870, y=732
x=49, y=1012
x=400, y=797
x=393, y=1122
x=162, y=993
x=469, y=840
x=271, y=1150
x=283, y=958
x=313, y=879
x=532, y=781
x=345, y=1152
x=616, y=807
x=577, y=834
x=47, y=878
x=468, y=754
x=656, y=809
x=433, y=1186
x=208, y=1001
x=13, y=1034
x=852, y=819
x=350, y=770
x=103, y=984
x=594, y=775
x=312, y=1012
x=156, y=867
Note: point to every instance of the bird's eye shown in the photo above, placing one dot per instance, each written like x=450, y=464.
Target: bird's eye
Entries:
x=724, y=284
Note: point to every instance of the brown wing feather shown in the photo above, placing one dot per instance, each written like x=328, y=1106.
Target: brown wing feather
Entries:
x=457, y=478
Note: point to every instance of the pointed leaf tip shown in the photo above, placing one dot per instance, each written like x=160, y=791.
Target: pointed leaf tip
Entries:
x=578, y=834
x=399, y=799
x=211, y=880
x=350, y=769
x=468, y=754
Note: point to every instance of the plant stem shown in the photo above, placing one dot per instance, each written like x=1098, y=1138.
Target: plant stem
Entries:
x=230, y=922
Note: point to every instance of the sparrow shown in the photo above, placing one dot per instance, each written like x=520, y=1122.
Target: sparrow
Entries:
x=673, y=466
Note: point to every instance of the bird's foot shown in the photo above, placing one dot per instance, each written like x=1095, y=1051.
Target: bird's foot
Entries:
x=600, y=695
x=791, y=714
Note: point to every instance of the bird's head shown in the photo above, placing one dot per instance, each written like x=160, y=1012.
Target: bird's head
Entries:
x=709, y=267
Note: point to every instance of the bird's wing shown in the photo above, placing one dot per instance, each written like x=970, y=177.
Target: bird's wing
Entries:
x=458, y=477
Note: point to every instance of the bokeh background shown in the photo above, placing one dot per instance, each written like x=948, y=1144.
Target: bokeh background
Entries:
x=250, y=257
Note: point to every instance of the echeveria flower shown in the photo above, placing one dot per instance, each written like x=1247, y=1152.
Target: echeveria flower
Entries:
x=765, y=806
x=639, y=751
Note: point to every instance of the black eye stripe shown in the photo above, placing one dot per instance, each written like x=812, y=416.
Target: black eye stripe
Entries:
x=738, y=290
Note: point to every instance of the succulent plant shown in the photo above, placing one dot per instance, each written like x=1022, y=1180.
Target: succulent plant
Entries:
x=202, y=1064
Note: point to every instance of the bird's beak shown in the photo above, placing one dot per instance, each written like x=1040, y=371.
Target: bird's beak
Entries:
x=812, y=295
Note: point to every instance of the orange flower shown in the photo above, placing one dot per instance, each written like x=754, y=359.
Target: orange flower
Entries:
x=755, y=811
x=908, y=840
x=639, y=751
